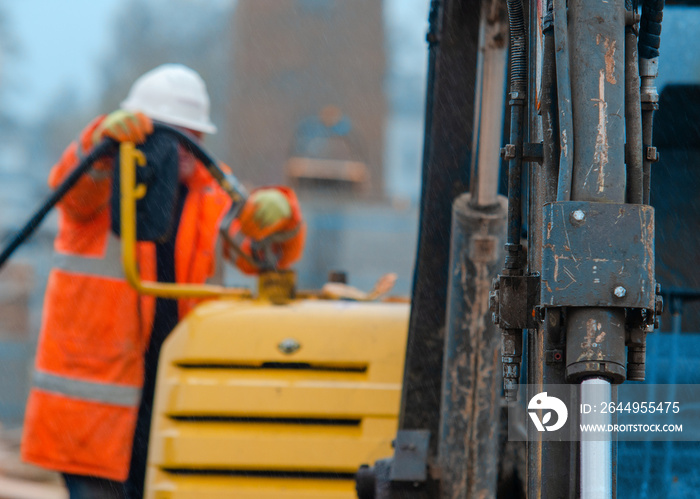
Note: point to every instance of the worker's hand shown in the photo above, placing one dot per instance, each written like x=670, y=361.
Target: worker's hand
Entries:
x=264, y=211
x=124, y=126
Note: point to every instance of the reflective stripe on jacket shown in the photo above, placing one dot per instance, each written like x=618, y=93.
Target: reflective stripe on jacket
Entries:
x=82, y=407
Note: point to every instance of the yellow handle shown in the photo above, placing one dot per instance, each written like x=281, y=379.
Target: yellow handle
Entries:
x=130, y=192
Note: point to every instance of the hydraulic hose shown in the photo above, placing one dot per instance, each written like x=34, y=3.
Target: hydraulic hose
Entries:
x=106, y=148
x=518, y=46
x=518, y=92
x=650, y=28
x=227, y=181
x=566, y=125
x=649, y=43
x=512, y=339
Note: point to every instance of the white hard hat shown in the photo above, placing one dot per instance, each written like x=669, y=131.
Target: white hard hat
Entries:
x=173, y=94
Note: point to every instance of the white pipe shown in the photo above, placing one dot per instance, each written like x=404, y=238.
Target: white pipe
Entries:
x=596, y=455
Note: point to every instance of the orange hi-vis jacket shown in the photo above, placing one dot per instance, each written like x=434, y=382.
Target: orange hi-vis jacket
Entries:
x=82, y=407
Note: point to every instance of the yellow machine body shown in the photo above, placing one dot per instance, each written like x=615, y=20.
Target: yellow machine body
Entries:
x=255, y=400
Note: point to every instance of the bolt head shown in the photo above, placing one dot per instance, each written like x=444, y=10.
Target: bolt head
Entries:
x=620, y=292
x=652, y=154
x=659, y=305
x=508, y=152
x=578, y=215
x=493, y=301
x=288, y=346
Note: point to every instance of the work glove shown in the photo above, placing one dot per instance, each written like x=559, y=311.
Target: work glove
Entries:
x=264, y=211
x=124, y=126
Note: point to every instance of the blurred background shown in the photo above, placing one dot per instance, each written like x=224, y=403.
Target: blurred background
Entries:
x=324, y=95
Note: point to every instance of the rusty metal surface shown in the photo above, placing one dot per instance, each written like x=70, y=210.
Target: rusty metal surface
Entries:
x=469, y=425
x=596, y=36
x=598, y=254
x=595, y=344
x=518, y=297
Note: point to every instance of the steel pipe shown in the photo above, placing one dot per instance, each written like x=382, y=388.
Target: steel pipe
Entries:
x=596, y=451
x=488, y=105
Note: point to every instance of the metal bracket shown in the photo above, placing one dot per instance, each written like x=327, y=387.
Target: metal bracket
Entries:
x=513, y=301
x=581, y=267
x=410, y=456
x=532, y=152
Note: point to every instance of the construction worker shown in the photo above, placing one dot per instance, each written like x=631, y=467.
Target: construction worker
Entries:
x=89, y=409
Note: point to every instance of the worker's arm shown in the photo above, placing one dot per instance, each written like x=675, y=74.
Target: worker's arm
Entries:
x=266, y=215
x=91, y=193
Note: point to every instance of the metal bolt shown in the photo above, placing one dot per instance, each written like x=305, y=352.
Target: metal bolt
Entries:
x=493, y=301
x=508, y=152
x=620, y=292
x=652, y=154
x=288, y=346
x=578, y=215
x=659, y=305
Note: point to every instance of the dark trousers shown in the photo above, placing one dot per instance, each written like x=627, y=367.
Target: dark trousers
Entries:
x=90, y=487
x=165, y=320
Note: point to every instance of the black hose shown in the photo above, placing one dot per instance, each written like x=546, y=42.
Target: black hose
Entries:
x=649, y=43
x=650, y=28
x=518, y=47
x=106, y=148
x=518, y=90
x=226, y=180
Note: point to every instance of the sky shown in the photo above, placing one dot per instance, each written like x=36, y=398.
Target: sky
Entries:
x=60, y=44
